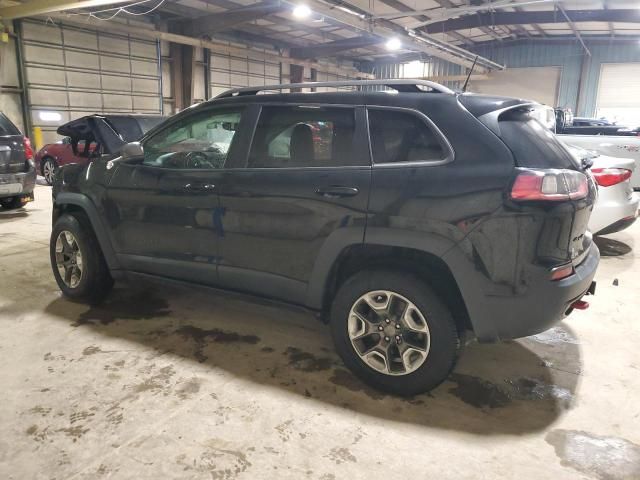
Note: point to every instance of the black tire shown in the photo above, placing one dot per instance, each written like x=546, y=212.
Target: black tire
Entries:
x=11, y=203
x=53, y=164
x=445, y=341
x=95, y=282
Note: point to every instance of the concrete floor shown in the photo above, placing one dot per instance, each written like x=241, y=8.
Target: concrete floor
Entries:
x=166, y=383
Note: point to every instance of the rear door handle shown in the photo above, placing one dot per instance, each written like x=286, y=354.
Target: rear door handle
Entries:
x=337, y=191
x=200, y=187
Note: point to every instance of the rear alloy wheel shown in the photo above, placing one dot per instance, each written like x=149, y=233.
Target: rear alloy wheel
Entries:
x=388, y=332
x=393, y=331
x=49, y=168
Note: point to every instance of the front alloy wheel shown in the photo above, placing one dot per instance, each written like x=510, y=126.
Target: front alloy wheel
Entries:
x=68, y=259
x=388, y=332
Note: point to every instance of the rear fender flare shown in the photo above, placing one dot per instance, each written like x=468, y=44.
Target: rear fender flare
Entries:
x=342, y=239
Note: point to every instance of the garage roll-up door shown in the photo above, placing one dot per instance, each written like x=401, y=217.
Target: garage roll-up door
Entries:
x=72, y=71
x=231, y=71
x=619, y=93
x=532, y=83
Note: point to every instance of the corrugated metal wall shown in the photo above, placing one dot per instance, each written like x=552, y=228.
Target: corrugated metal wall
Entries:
x=75, y=71
x=568, y=57
x=577, y=79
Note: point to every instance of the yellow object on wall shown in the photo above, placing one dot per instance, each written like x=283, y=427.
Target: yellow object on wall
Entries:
x=37, y=138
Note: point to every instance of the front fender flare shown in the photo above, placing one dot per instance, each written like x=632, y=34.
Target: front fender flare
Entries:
x=89, y=208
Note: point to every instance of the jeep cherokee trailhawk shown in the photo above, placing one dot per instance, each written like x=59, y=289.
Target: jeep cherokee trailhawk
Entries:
x=405, y=217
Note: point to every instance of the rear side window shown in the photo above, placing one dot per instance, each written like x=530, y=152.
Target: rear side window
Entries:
x=532, y=144
x=303, y=136
x=403, y=137
x=7, y=127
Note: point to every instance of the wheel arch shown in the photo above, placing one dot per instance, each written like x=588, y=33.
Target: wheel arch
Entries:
x=67, y=202
x=426, y=265
x=46, y=157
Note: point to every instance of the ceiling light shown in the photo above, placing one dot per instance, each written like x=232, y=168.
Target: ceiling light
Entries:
x=302, y=11
x=393, y=44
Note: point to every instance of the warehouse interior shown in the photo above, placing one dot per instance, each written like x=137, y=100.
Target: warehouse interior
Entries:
x=173, y=381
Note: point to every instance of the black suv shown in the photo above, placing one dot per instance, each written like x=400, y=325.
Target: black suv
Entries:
x=405, y=219
x=17, y=170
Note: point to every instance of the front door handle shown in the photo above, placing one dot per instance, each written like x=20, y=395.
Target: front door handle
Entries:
x=337, y=191
x=200, y=187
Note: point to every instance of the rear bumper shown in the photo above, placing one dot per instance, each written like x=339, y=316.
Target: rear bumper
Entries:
x=618, y=226
x=17, y=184
x=611, y=215
x=544, y=303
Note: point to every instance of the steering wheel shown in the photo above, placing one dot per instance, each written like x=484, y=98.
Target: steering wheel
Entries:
x=197, y=160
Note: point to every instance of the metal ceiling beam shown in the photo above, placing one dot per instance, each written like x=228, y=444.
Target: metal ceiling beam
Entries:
x=357, y=20
x=449, y=5
x=220, y=21
x=194, y=13
x=574, y=29
x=520, y=18
x=605, y=39
x=41, y=7
x=452, y=10
x=398, y=5
x=331, y=48
x=605, y=5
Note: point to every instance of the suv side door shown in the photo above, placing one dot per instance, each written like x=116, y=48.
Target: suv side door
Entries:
x=303, y=191
x=163, y=209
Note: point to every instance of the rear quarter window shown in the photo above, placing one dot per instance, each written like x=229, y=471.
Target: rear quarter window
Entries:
x=533, y=145
x=402, y=136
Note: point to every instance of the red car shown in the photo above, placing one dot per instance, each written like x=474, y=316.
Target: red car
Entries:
x=79, y=145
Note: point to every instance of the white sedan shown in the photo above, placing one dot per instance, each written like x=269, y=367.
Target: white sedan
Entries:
x=617, y=205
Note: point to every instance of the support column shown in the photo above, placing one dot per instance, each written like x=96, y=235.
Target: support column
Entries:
x=296, y=74
x=182, y=68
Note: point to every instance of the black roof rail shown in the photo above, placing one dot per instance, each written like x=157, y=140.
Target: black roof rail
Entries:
x=400, y=85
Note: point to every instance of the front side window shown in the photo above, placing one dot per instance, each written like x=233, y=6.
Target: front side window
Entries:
x=303, y=136
x=201, y=141
x=403, y=137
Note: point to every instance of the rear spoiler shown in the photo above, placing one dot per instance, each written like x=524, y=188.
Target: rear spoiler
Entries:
x=492, y=119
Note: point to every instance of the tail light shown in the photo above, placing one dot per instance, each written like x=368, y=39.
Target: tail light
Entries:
x=549, y=185
x=28, y=150
x=606, y=177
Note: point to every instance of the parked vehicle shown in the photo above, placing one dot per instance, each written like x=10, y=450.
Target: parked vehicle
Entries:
x=616, y=207
x=79, y=145
x=590, y=122
x=423, y=215
x=17, y=170
x=619, y=147
x=569, y=125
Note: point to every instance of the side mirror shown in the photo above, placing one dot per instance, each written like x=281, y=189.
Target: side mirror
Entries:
x=132, y=150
